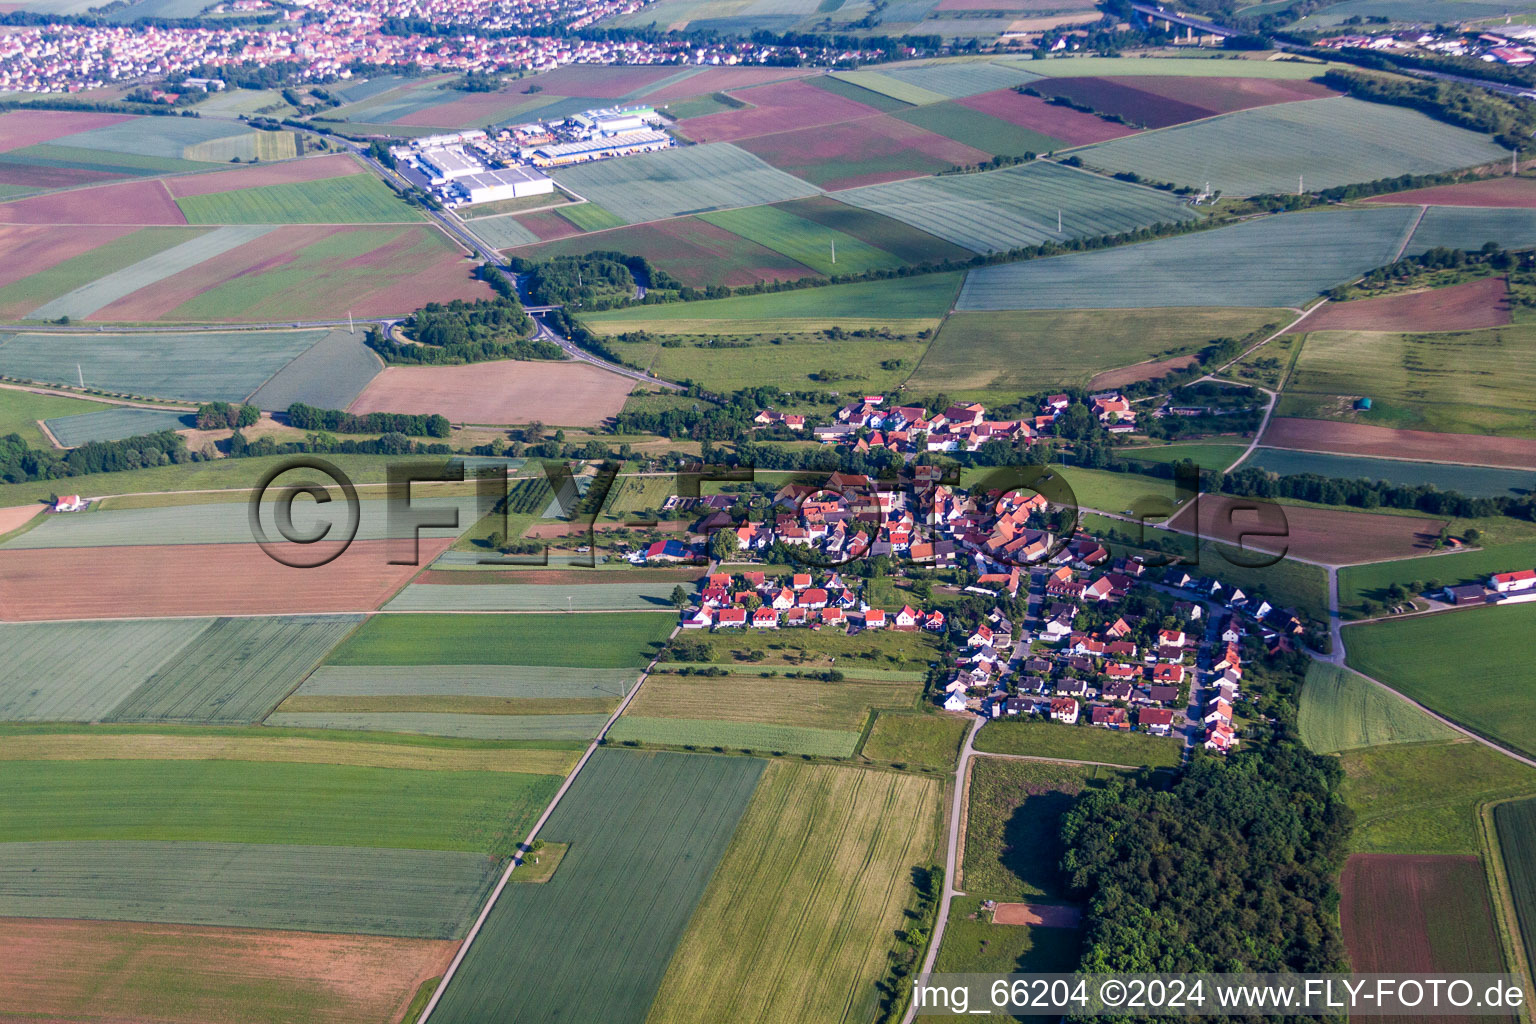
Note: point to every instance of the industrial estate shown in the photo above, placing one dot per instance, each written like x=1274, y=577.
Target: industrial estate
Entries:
x=667, y=511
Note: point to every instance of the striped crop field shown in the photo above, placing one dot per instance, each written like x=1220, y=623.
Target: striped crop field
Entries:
x=1277, y=261
x=1516, y=823
x=944, y=81
x=1323, y=143
x=1018, y=206
x=672, y=182
x=646, y=830
x=510, y=681
x=115, y=424
x=534, y=728
x=235, y=671
x=616, y=640
x=1461, y=227
x=761, y=737
x=841, y=705
x=1478, y=481
x=353, y=199
x=493, y=597
x=1340, y=710
x=804, y=241
x=106, y=662
x=417, y=893
x=802, y=913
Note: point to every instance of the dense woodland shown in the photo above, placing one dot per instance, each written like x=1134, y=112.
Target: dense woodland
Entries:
x=20, y=463
x=226, y=416
x=465, y=332
x=308, y=417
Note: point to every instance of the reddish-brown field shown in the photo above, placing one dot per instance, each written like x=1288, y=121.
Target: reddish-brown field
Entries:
x=1034, y=113
x=868, y=151
x=1514, y=193
x=1040, y=915
x=691, y=250
x=132, y=202
x=1417, y=914
x=723, y=80
x=1385, y=442
x=200, y=579
x=17, y=515
x=1139, y=372
x=20, y=128
x=286, y=172
x=38, y=176
x=568, y=394
x=114, y=971
x=1482, y=303
x=781, y=107
x=548, y=225
x=556, y=577
x=27, y=249
x=406, y=268
x=601, y=81
x=1224, y=95
x=1331, y=536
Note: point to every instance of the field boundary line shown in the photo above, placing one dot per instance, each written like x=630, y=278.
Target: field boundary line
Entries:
x=517, y=858
x=1507, y=919
x=1412, y=230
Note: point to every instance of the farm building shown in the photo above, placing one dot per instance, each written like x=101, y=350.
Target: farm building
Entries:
x=1472, y=593
x=1514, y=582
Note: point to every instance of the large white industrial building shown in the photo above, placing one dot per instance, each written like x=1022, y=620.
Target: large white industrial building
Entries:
x=487, y=186
x=447, y=163
x=563, y=153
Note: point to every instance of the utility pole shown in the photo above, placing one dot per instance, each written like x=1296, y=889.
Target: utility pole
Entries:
x=834, y=251
x=81, y=373
x=1058, y=220
x=350, y=328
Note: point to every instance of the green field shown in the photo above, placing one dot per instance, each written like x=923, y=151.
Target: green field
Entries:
x=915, y=739
x=1516, y=824
x=1468, y=665
x=672, y=182
x=1424, y=797
x=1012, y=848
x=1473, y=382
x=20, y=411
x=943, y=79
x=795, y=362
x=1468, y=228
x=114, y=423
x=1000, y=355
x=1341, y=711
x=508, y=681
x=616, y=640
x=806, y=903
x=800, y=702
x=760, y=737
x=1078, y=743
x=882, y=649
x=1335, y=141
x=920, y=298
x=270, y=802
x=328, y=375
x=235, y=671
x=980, y=131
x=182, y=138
x=1018, y=206
x=352, y=199
x=1359, y=583
x=590, y=217
x=974, y=945
x=802, y=240
x=529, y=728
x=106, y=662
x=20, y=298
x=1274, y=261
x=458, y=705
x=615, y=596
x=901, y=240
x=1211, y=457
x=1476, y=481
x=416, y=893
x=645, y=832
x=220, y=365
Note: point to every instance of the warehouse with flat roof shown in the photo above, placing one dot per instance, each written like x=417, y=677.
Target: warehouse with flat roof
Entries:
x=488, y=186
x=564, y=153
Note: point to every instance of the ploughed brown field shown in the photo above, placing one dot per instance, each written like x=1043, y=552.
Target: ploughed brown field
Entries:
x=1034, y=113
x=1386, y=442
x=114, y=971
x=17, y=515
x=567, y=394
x=1514, y=193
x=27, y=249
x=1462, y=307
x=287, y=172
x=131, y=202
x=819, y=153
x=200, y=579
x=21, y=128
x=1040, y=915
x=775, y=108
x=1138, y=372
x=1332, y=536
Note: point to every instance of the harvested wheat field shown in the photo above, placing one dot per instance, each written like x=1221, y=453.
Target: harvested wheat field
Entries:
x=122, y=971
x=16, y=516
x=1039, y=915
x=1389, y=443
x=566, y=394
x=1150, y=370
x=1327, y=535
x=198, y=579
x=1462, y=307
x=288, y=172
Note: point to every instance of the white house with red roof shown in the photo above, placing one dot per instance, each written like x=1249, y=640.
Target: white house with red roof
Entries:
x=1510, y=582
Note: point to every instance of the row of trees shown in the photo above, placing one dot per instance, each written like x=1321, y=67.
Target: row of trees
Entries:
x=226, y=416
x=19, y=462
x=308, y=417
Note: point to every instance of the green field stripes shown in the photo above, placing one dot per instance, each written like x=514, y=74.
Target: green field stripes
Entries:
x=950, y=79
x=270, y=802
x=1186, y=67
x=674, y=182
x=1018, y=206
x=592, y=640
x=849, y=669
x=493, y=597
x=1340, y=710
x=416, y=893
x=1516, y=825
x=502, y=232
x=645, y=832
x=921, y=297
x=1462, y=227
x=590, y=217
x=218, y=365
x=80, y=671
x=80, y=159
x=983, y=131
x=1477, y=481
x=759, y=736
x=351, y=199
x=889, y=86
x=447, y=723
x=236, y=671
x=467, y=681
x=18, y=297
x=116, y=424
x=1329, y=142
x=328, y=376
x=1278, y=261
x=155, y=136
x=810, y=243
x=102, y=292
x=228, y=522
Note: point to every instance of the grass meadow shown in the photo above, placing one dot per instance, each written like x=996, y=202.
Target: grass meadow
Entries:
x=613, y=640
x=1341, y=711
x=915, y=739
x=1078, y=743
x=21, y=410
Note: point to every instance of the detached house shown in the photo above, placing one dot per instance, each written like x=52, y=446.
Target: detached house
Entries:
x=1064, y=709
x=1157, y=721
